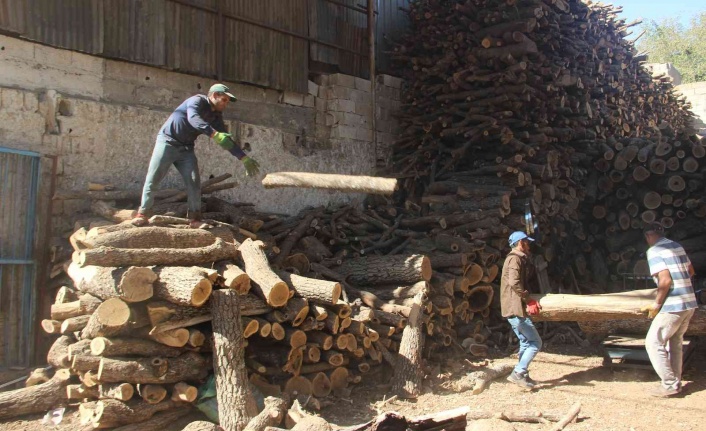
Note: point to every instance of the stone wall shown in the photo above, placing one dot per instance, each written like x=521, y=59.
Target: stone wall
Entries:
x=100, y=118
x=696, y=94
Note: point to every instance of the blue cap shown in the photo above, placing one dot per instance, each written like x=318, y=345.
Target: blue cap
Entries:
x=516, y=236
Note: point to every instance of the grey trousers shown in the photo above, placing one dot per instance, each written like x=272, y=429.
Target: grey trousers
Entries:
x=184, y=160
x=664, y=346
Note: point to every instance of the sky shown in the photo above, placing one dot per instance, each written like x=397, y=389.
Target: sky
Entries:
x=658, y=10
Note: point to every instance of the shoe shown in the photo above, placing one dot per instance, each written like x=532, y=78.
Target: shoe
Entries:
x=531, y=380
x=520, y=380
x=662, y=392
x=140, y=220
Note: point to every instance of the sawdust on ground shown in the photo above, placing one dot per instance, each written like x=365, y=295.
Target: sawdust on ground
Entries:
x=612, y=400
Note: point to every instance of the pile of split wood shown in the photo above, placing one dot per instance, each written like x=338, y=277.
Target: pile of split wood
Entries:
x=515, y=106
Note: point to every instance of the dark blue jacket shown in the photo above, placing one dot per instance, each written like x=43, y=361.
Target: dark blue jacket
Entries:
x=191, y=119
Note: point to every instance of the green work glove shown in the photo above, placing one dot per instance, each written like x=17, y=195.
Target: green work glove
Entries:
x=252, y=167
x=225, y=140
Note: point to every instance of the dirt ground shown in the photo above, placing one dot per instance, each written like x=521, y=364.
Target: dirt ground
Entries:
x=611, y=399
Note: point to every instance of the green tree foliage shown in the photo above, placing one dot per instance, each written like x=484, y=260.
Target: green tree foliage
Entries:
x=669, y=41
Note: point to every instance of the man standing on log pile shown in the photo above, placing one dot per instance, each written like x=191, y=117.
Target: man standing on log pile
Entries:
x=513, y=297
x=197, y=115
x=672, y=310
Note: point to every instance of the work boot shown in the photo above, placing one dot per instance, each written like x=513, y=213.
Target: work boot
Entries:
x=529, y=379
x=662, y=392
x=520, y=380
x=140, y=220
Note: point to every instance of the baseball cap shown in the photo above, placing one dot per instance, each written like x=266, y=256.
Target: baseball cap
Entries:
x=653, y=227
x=220, y=88
x=516, y=236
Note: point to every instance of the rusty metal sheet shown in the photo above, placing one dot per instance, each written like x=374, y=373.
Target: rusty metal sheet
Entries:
x=191, y=38
x=72, y=24
x=136, y=30
x=390, y=25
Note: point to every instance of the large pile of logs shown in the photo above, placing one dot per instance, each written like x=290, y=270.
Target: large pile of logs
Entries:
x=515, y=106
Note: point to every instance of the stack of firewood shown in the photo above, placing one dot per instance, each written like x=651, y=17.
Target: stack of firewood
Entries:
x=515, y=106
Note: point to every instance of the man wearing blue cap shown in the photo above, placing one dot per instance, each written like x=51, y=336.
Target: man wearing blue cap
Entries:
x=514, y=296
x=197, y=115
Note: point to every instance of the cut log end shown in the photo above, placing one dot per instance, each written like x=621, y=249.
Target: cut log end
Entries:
x=279, y=295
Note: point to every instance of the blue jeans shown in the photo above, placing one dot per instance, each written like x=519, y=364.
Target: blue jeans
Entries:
x=183, y=158
x=530, y=342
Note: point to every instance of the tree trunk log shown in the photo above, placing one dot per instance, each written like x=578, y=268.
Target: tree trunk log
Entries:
x=159, y=237
x=152, y=394
x=314, y=290
x=639, y=325
x=271, y=415
x=407, y=380
x=188, y=286
x=387, y=269
x=113, y=413
x=116, y=391
x=86, y=304
x=615, y=306
x=234, y=277
x=119, y=347
x=133, y=284
x=188, y=367
x=109, y=256
x=237, y=405
x=345, y=183
x=237, y=217
x=161, y=421
x=35, y=399
x=269, y=285
x=202, y=426
x=114, y=317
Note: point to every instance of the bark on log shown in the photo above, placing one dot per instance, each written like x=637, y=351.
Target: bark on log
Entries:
x=119, y=347
x=387, y=269
x=237, y=216
x=571, y=416
x=237, y=405
x=314, y=290
x=202, y=426
x=271, y=415
x=454, y=419
x=345, y=183
x=73, y=324
x=188, y=367
x=294, y=235
x=132, y=284
x=615, y=306
x=35, y=399
x=113, y=413
x=86, y=304
x=406, y=382
x=109, y=256
x=640, y=325
x=161, y=421
x=159, y=237
x=116, y=391
x=269, y=285
x=188, y=286
x=234, y=277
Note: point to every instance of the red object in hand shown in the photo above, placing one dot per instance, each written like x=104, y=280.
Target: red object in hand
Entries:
x=533, y=307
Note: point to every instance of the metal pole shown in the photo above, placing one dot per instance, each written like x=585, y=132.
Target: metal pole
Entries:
x=371, y=57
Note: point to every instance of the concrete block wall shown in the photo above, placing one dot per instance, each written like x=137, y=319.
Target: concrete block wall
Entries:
x=100, y=118
x=696, y=94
